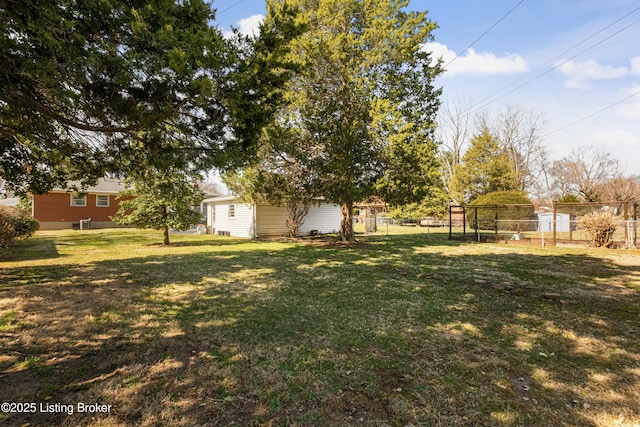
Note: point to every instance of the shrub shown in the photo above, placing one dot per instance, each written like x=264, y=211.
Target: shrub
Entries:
x=510, y=216
x=416, y=211
x=569, y=198
x=600, y=226
x=14, y=224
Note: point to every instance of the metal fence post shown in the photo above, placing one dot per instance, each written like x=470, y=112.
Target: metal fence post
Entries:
x=571, y=223
x=496, y=224
x=555, y=217
x=635, y=224
x=450, y=222
x=464, y=222
x=627, y=230
x=476, y=223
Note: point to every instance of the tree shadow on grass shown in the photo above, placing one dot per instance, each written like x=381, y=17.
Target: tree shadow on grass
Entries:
x=394, y=331
x=29, y=250
x=562, y=327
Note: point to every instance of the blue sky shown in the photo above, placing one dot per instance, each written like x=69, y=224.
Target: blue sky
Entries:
x=569, y=66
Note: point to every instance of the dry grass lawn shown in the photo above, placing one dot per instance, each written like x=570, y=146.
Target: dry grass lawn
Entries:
x=407, y=329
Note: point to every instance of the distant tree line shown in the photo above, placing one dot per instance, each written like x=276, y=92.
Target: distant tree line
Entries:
x=482, y=154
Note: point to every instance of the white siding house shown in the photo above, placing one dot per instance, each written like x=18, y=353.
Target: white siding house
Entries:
x=228, y=215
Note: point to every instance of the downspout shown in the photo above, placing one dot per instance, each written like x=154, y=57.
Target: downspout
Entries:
x=255, y=222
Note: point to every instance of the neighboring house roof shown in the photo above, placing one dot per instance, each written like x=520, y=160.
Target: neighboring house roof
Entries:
x=209, y=195
x=235, y=198
x=104, y=186
x=222, y=199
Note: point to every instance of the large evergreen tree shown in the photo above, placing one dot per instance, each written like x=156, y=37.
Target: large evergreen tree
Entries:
x=485, y=168
x=82, y=80
x=364, y=101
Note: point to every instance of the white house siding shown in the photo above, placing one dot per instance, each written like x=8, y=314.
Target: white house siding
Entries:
x=267, y=220
x=239, y=226
x=272, y=220
x=325, y=218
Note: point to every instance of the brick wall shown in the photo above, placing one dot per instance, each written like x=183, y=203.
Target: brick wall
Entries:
x=56, y=207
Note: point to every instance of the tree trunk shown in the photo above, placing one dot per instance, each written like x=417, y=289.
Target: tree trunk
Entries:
x=166, y=235
x=346, y=223
x=297, y=213
x=165, y=215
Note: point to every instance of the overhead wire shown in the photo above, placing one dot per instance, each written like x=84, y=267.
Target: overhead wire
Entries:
x=230, y=7
x=592, y=114
x=484, y=34
x=482, y=103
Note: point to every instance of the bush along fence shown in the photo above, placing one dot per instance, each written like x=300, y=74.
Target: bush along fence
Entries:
x=603, y=224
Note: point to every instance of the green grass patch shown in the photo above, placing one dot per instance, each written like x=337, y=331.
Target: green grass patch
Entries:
x=402, y=328
x=8, y=321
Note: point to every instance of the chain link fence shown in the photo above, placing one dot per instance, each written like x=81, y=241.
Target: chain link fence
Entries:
x=557, y=224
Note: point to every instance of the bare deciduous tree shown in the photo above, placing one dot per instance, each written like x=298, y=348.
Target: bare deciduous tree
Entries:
x=519, y=133
x=542, y=188
x=453, y=131
x=210, y=185
x=621, y=188
x=584, y=172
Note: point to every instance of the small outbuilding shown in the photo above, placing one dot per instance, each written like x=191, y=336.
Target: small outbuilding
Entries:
x=564, y=222
x=230, y=216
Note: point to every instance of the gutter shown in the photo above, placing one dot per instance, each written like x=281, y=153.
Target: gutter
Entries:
x=254, y=209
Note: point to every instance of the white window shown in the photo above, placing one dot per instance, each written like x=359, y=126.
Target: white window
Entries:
x=232, y=211
x=102, y=201
x=78, y=200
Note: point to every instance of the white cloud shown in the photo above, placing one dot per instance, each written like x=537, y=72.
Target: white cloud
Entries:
x=250, y=26
x=247, y=26
x=621, y=141
x=616, y=138
x=631, y=110
x=478, y=63
x=580, y=74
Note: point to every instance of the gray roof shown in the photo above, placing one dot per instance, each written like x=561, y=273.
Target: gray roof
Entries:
x=222, y=199
x=104, y=185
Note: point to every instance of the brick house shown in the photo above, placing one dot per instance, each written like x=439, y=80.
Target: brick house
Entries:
x=64, y=209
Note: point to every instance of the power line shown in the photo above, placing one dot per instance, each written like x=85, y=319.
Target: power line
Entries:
x=230, y=7
x=484, y=34
x=592, y=114
x=482, y=102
